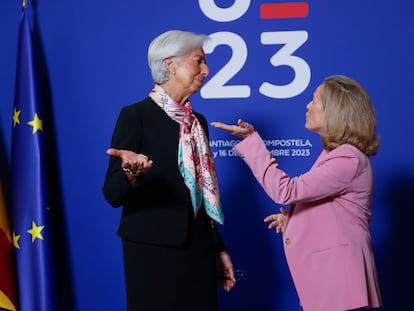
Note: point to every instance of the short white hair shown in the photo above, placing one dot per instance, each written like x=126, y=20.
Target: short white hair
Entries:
x=173, y=43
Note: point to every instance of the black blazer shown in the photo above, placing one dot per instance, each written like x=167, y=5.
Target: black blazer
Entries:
x=156, y=209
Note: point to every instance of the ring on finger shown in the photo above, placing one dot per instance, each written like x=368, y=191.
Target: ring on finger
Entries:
x=130, y=172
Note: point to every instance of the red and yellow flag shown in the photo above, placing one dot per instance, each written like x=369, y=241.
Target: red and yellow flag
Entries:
x=8, y=287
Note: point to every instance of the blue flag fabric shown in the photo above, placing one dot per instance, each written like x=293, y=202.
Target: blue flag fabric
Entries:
x=30, y=211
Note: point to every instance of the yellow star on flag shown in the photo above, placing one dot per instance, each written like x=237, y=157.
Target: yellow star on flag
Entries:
x=36, y=123
x=36, y=231
x=16, y=115
x=16, y=240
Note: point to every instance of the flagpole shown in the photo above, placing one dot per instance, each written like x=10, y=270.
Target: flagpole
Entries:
x=24, y=4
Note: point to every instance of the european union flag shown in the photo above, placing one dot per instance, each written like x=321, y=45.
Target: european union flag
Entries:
x=31, y=214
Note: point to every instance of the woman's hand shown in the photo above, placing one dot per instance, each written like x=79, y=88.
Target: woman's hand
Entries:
x=277, y=220
x=133, y=163
x=242, y=129
x=225, y=271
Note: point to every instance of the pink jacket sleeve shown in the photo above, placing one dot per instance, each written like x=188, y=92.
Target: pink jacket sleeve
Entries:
x=329, y=176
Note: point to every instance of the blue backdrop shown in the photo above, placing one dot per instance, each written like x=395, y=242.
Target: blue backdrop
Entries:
x=265, y=65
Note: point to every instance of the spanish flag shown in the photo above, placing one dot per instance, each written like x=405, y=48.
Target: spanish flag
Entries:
x=8, y=286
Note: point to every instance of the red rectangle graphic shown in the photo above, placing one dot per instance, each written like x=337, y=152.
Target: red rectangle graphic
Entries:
x=284, y=10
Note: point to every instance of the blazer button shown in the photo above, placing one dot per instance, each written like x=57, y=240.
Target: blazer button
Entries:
x=287, y=241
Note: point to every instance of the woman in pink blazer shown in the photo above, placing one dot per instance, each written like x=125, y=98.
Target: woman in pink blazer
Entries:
x=326, y=233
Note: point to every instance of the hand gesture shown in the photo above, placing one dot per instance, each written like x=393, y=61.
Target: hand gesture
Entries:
x=277, y=220
x=133, y=163
x=242, y=129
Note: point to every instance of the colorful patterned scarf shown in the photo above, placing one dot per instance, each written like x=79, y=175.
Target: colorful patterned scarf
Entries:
x=195, y=162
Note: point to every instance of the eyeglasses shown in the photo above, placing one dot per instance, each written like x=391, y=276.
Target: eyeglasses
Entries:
x=238, y=275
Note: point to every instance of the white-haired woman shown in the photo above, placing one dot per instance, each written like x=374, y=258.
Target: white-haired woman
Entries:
x=162, y=174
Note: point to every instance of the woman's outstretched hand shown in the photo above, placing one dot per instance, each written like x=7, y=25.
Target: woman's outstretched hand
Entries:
x=242, y=129
x=133, y=164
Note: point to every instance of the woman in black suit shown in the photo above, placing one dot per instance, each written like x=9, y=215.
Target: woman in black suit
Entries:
x=161, y=171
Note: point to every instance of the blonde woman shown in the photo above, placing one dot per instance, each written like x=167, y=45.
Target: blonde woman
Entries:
x=326, y=232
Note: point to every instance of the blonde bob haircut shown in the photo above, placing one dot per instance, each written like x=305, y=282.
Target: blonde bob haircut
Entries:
x=173, y=43
x=349, y=116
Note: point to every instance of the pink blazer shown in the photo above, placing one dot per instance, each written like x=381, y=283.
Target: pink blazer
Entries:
x=327, y=239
